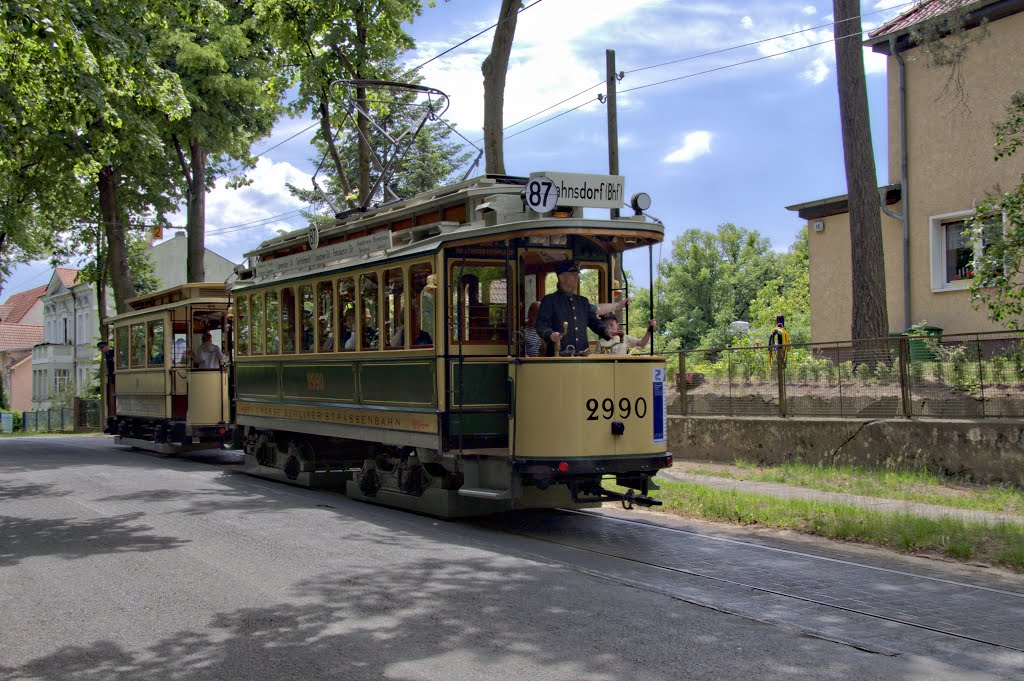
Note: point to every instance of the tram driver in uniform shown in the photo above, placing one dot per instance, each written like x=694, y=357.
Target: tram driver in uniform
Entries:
x=564, y=315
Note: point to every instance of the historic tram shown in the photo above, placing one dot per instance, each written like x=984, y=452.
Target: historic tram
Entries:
x=384, y=355
x=164, y=400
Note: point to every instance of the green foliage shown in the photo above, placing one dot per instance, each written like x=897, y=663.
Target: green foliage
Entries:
x=710, y=281
x=999, y=225
x=16, y=420
x=789, y=294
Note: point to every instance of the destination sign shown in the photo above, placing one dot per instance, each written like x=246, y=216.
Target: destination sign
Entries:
x=589, y=191
x=320, y=257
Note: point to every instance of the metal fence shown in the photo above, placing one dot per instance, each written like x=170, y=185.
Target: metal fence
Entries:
x=83, y=415
x=966, y=375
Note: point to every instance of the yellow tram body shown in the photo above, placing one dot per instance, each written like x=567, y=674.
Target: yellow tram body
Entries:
x=162, y=401
x=384, y=356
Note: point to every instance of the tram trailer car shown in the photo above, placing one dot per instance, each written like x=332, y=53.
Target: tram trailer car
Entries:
x=384, y=355
x=163, y=403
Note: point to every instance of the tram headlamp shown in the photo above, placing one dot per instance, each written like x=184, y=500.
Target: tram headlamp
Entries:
x=640, y=202
x=618, y=427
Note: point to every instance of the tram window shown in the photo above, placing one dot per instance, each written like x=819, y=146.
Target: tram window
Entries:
x=484, y=297
x=138, y=345
x=325, y=316
x=257, y=323
x=306, y=317
x=288, y=320
x=421, y=319
x=156, y=343
x=273, y=323
x=590, y=288
x=242, y=338
x=121, y=341
x=368, y=311
x=346, y=313
x=394, y=308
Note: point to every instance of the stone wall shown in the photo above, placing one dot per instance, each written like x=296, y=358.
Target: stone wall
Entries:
x=983, y=450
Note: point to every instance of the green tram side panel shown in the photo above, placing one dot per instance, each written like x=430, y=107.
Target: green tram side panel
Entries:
x=409, y=383
x=483, y=421
x=257, y=380
x=319, y=382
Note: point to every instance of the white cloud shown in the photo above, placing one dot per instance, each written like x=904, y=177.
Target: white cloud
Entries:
x=816, y=72
x=694, y=145
x=254, y=213
x=810, y=10
x=747, y=23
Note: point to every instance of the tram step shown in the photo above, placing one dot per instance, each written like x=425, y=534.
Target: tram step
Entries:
x=484, y=493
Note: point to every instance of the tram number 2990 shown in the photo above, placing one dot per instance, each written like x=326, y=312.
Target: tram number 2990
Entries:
x=607, y=408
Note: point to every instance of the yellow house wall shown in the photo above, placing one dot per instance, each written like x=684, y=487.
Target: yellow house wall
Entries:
x=832, y=281
x=950, y=156
x=951, y=168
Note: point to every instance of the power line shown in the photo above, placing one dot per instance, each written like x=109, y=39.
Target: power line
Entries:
x=691, y=75
x=763, y=40
x=454, y=47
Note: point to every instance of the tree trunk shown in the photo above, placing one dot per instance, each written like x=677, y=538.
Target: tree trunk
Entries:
x=870, y=317
x=196, y=224
x=101, y=285
x=494, y=69
x=117, y=250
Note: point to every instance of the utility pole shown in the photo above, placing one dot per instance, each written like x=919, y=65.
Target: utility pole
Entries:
x=613, y=120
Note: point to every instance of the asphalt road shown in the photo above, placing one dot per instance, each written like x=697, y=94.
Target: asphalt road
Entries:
x=119, y=565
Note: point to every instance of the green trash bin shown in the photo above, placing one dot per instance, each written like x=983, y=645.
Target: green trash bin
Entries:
x=920, y=349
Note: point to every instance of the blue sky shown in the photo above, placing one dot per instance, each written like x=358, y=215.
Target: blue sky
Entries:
x=721, y=141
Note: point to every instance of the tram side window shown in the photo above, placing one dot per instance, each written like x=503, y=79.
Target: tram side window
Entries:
x=288, y=320
x=121, y=341
x=306, y=316
x=421, y=319
x=156, y=343
x=484, y=298
x=346, y=313
x=242, y=341
x=325, y=316
x=394, y=308
x=273, y=323
x=368, y=311
x=257, y=324
x=138, y=345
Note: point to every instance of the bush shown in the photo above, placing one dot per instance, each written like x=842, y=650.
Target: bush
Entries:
x=17, y=418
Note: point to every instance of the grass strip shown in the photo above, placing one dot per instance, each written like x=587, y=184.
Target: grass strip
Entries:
x=916, y=486
x=1001, y=544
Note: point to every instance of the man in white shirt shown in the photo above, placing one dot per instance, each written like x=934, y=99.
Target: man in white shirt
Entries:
x=208, y=355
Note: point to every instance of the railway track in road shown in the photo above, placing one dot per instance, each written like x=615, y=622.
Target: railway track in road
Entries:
x=881, y=608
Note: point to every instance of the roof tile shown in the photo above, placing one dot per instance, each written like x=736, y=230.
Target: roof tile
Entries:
x=19, y=336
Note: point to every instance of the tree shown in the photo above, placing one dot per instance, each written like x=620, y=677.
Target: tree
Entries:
x=86, y=90
x=495, y=69
x=229, y=73
x=429, y=163
x=709, y=282
x=870, y=317
x=326, y=41
x=998, y=281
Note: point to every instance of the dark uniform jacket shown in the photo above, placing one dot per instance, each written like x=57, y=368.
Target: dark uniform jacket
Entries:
x=560, y=307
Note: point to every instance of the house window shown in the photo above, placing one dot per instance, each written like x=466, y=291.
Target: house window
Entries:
x=959, y=252
x=953, y=250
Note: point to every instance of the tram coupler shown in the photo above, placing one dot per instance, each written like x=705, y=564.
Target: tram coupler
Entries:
x=629, y=498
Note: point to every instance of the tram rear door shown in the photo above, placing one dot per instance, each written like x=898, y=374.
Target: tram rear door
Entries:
x=202, y=343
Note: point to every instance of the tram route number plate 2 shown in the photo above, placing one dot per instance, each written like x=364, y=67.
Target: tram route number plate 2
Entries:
x=658, y=406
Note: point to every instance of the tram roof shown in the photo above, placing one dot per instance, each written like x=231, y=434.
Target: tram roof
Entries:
x=428, y=238
x=203, y=293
